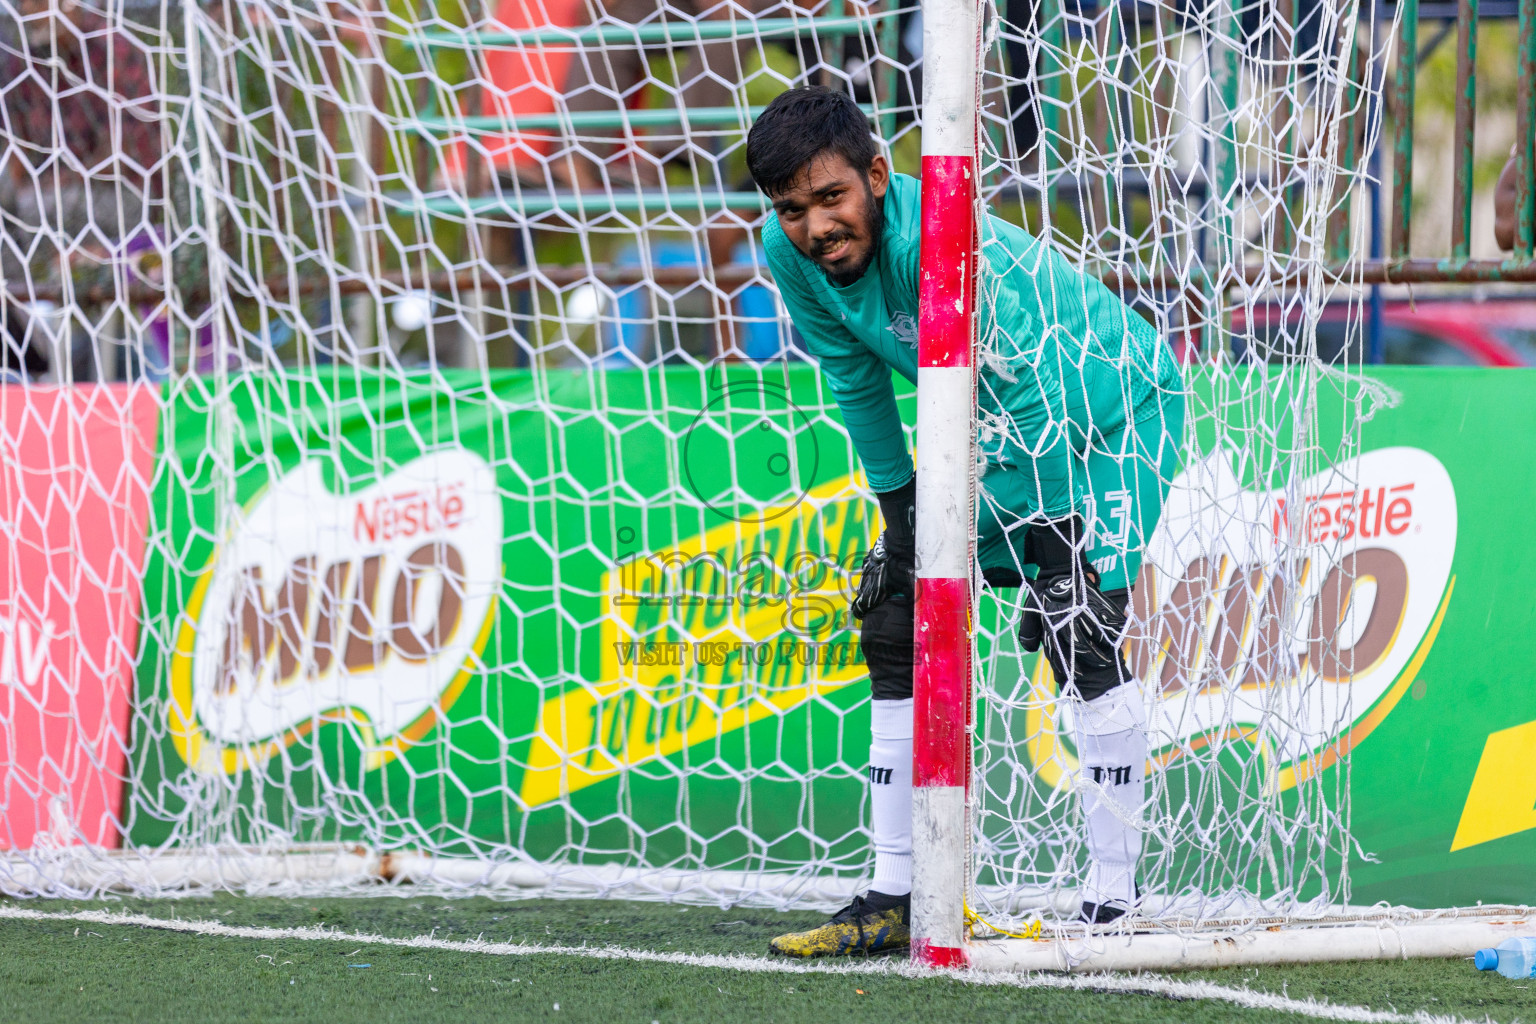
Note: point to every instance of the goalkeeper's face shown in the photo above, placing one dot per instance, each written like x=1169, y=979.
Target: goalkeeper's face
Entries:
x=834, y=213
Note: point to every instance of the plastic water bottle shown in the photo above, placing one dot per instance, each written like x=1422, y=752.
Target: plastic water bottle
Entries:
x=1513, y=958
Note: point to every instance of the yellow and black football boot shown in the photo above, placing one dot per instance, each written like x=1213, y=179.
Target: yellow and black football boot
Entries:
x=870, y=924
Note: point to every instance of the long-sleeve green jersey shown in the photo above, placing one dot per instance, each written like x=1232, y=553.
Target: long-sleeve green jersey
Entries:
x=1064, y=363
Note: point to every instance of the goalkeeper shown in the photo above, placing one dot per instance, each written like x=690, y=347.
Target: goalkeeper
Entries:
x=1080, y=408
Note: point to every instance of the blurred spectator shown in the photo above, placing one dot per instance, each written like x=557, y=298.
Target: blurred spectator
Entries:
x=1504, y=205
x=21, y=359
x=80, y=102
x=81, y=119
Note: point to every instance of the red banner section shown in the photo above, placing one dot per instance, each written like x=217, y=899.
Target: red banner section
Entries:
x=75, y=470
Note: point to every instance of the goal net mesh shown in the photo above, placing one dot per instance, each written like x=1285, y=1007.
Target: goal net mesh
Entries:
x=452, y=500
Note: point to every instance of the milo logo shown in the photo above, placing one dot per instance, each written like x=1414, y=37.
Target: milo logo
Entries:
x=368, y=607
x=1293, y=619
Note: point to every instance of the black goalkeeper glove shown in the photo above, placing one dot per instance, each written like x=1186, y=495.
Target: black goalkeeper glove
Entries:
x=890, y=566
x=1067, y=613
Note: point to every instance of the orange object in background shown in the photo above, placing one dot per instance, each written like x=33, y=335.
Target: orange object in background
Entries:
x=526, y=81
x=75, y=471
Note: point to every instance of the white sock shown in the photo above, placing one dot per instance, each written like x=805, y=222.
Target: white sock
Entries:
x=890, y=794
x=1112, y=782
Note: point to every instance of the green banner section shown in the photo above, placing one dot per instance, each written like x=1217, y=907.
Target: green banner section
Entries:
x=562, y=615
x=1444, y=789
x=602, y=617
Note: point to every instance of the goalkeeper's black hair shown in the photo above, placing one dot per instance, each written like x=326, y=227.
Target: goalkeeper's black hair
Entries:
x=801, y=125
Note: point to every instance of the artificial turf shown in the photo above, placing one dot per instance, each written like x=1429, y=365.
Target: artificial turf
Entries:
x=68, y=971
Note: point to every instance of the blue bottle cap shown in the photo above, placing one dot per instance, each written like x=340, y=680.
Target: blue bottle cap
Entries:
x=1486, y=960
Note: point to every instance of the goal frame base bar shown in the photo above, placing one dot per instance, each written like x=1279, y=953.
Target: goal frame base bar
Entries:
x=350, y=870
x=1363, y=933
x=1449, y=936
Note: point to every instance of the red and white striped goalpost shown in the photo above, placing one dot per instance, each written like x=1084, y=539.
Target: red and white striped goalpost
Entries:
x=946, y=461
x=946, y=492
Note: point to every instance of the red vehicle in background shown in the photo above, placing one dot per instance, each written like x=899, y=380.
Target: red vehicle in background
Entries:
x=1494, y=332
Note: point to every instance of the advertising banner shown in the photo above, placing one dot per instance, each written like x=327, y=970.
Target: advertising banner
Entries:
x=75, y=471
x=568, y=616
x=526, y=617
x=1443, y=773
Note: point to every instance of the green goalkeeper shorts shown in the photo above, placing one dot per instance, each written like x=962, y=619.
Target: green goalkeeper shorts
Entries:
x=1126, y=475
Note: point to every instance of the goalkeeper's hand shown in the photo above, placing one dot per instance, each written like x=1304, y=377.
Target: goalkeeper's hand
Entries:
x=1066, y=613
x=890, y=566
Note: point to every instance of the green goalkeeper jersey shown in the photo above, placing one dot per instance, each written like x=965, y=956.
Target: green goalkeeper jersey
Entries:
x=1064, y=364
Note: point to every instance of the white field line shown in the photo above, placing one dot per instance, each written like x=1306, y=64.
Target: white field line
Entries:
x=1142, y=984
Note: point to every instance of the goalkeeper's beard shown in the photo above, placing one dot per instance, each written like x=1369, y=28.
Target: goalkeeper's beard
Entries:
x=874, y=228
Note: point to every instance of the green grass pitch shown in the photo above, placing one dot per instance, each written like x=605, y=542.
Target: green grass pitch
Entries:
x=73, y=970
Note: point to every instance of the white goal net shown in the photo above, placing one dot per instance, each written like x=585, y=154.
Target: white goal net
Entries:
x=439, y=491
